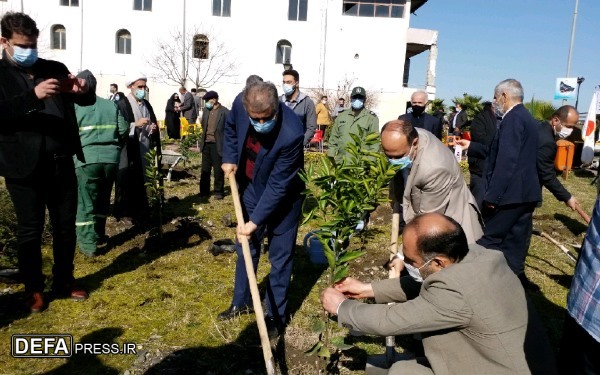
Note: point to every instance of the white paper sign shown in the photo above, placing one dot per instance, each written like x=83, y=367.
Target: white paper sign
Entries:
x=458, y=152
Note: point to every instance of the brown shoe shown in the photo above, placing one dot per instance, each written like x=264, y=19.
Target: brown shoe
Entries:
x=71, y=291
x=35, y=302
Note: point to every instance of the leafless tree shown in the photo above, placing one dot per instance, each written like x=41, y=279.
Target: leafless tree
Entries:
x=196, y=56
x=344, y=89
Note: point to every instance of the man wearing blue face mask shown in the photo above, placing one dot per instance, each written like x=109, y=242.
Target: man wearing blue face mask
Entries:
x=131, y=202
x=211, y=145
x=435, y=182
x=263, y=146
x=351, y=121
x=39, y=136
x=301, y=104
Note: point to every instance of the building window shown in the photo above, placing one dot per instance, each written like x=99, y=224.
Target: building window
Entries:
x=283, y=54
x=297, y=10
x=69, y=3
x=142, y=5
x=200, y=47
x=374, y=8
x=123, y=42
x=222, y=8
x=58, y=38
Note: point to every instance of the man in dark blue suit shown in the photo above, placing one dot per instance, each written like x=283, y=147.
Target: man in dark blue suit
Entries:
x=263, y=146
x=418, y=118
x=512, y=184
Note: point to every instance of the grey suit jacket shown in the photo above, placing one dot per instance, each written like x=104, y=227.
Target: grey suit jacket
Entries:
x=436, y=184
x=188, y=107
x=473, y=315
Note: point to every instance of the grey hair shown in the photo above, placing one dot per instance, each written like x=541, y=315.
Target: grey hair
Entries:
x=261, y=96
x=253, y=79
x=511, y=87
x=420, y=92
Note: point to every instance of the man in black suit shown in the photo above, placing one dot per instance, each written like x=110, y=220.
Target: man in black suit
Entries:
x=39, y=136
x=459, y=120
x=418, y=118
x=561, y=125
x=483, y=130
x=512, y=185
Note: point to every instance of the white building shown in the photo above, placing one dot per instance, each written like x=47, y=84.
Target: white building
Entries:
x=330, y=42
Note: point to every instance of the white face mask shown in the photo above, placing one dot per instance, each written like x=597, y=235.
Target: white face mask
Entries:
x=565, y=132
x=415, y=272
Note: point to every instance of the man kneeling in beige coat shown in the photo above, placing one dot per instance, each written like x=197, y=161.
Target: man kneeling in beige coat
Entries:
x=465, y=301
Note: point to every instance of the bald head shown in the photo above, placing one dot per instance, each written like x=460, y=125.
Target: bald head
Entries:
x=397, y=136
x=436, y=234
x=567, y=114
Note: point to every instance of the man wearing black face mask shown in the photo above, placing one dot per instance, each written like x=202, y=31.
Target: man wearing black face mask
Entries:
x=418, y=118
x=38, y=138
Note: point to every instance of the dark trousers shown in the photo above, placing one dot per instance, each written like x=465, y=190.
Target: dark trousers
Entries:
x=508, y=229
x=579, y=351
x=281, y=255
x=211, y=160
x=53, y=185
x=94, y=183
x=477, y=188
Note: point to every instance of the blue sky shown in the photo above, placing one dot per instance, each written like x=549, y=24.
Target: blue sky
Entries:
x=483, y=42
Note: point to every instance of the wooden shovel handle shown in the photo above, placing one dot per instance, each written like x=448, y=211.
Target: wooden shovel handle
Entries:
x=260, y=317
x=582, y=213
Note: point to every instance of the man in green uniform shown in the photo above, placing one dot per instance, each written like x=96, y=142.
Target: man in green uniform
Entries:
x=349, y=122
x=102, y=130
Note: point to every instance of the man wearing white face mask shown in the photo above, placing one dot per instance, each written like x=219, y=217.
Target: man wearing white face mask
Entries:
x=561, y=125
x=464, y=300
x=351, y=121
x=301, y=104
x=263, y=148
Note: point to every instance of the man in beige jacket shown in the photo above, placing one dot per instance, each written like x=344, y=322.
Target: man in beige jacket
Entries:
x=435, y=182
x=465, y=301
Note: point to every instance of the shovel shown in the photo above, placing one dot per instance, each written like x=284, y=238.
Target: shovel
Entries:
x=390, y=341
x=560, y=246
x=581, y=213
x=260, y=317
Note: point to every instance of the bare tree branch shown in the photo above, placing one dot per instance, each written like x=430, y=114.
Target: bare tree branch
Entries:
x=172, y=64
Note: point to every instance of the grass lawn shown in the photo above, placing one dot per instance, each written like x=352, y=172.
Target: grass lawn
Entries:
x=165, y=297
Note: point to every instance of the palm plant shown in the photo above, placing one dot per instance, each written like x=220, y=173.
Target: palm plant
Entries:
x=539, y=109
x=470, y=103
x=436, y=105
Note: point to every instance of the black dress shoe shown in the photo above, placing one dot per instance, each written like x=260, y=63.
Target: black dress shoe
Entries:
x=234, y=311
x=225, y=246
x=274, y=327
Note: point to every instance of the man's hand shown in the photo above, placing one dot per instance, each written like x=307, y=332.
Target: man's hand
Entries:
x=47, y=88
x=245, y=230
x=74, y=85
x=228, y=168
x=572, y=203
x=332, y=299
x=463, y=143
x=396, y=265
x=354, y=289
x=141, y=122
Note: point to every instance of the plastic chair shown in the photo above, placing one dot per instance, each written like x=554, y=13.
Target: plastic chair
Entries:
x=318, y=139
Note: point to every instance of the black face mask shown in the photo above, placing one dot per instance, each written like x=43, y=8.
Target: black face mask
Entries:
x=418, y=110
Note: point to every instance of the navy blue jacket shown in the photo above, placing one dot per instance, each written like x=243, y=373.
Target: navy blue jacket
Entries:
x=430, y=123
x=275, y=180
x=511, y=173
x=545, y=163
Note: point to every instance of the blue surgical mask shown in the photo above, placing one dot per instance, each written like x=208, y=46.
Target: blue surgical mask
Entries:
x=208, y=105
x=357, y=103
x=403, y=162
x=415, y=272
x=24, y=57
x=265, y=127
x=288, y=89
x=140, y=94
